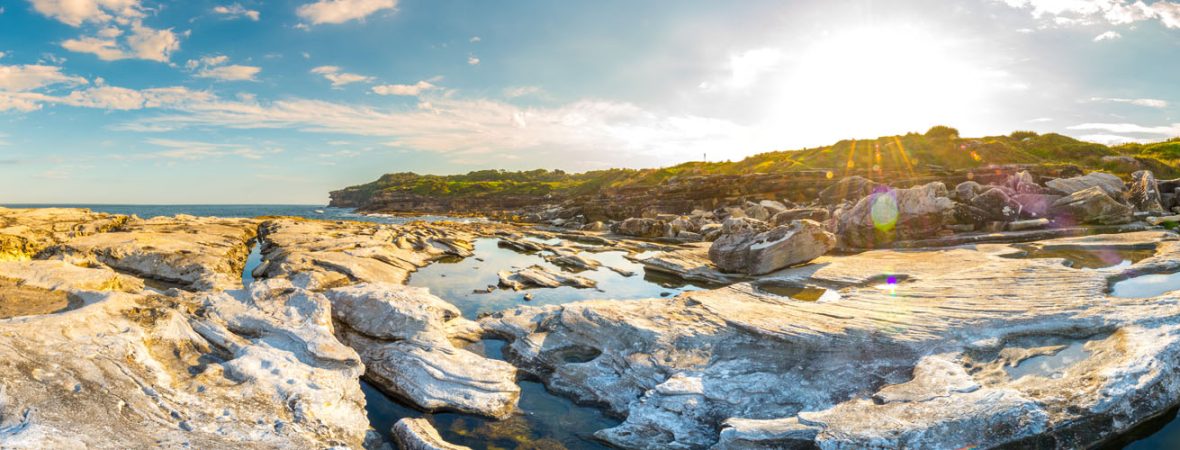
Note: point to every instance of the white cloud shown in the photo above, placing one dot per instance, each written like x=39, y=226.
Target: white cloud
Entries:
x=746, y=68
x=1147, y=102
x=472, y=60
x=522, y=91
x=1110, y=139
x=1088, y=12
x=214, y=66
x=233, y=72
x=1107, y=36
x=1130, y=128
x=143, y=43
x=338, y=77
x=404, y=89
x=197, y=150
x=340, y=11
x=2, y=55
x=30, y=77
x=236, y=11
x=107, y=97
x=475, y=39
x=77, y=12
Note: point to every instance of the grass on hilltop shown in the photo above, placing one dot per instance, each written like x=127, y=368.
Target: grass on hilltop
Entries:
x=939, y=148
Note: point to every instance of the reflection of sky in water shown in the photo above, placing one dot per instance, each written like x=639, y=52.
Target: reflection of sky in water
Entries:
x=1092, y=258
x=1146, y=285
x=252, y=262
x=455, y=281
x=1050, y=366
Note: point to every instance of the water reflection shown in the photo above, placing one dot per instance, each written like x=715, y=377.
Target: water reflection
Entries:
x=465, y=282
x=1050, y=366
x=1146, y=285
x=1090, y=258
x=252, y=262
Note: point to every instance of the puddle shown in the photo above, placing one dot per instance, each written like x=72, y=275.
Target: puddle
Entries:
x=802, y=293
x=1146, y=285
x=252, y=262
x=17, y=300
x=545, y=421
x=1090, y=258
x=464, y=281
x=1050, y=366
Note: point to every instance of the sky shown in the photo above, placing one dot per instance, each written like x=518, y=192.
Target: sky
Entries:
x=282, y=101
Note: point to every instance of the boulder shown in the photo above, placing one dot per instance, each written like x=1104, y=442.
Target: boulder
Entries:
x=896, y=214
x=773, y=207
x=643, y=228
x=418, y=434
x=1023, y=183
x=1091, y=206
x=997, y=204
x=756, y=211
x=1034, y=206
x=850, y=189
x=967, y=190
x=762, y=253
x=817, y=214
x=1144, y=192
x=1110, y=184
x=739, y=225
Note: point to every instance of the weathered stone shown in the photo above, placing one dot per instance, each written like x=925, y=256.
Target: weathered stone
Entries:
x=1091, y=205
x=944, y=339
x=897, y=214
x=1023, y=183
x=773, y=206
x=997, y=205
x=1109, y=184
x=1144, y=193
x=739, y=225
x=756, y=211
x=817, y=214
x=540, y=276
x=26, y=232
x=783, y=246
x=419, y=434
x=967, y=190
x=849, y=189
x=1031, y=224
x=644, y=228
x=1034, y=206
x=690, y=263
x=403, y=336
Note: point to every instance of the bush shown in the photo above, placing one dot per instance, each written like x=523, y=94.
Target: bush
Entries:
x=942, y=132
x=1022, y=135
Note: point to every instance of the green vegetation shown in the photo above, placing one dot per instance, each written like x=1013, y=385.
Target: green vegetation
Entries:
x=940, y=148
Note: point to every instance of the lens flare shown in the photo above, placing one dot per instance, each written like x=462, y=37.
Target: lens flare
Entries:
x=884, y=212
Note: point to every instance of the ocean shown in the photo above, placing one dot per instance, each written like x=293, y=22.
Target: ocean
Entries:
x=307, y=211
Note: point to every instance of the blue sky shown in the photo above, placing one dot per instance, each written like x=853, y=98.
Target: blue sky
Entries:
x=143, y=101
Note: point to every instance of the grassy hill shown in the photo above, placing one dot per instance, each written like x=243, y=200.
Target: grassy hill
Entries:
x=940, y=148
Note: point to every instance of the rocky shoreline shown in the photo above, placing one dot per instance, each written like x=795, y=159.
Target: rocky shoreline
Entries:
x=122, y=332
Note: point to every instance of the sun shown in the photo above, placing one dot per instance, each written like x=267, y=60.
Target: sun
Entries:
x=882, y=81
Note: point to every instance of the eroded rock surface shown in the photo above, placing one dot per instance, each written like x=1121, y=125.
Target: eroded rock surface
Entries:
x=26, y=232
x=917, y=352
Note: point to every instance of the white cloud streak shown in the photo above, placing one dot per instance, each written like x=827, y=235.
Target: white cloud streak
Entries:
x=341, y=11
x=1145, y=102
x=338, y=77
x=1089, y=12
x=237, y=11
x=404, y=89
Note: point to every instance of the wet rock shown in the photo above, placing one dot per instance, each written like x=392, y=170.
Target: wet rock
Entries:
x=786, y=217
x=403, y=335
x=893, y=215
x=736, y=368
x=1144, y=192
x=848, y=189
x=419, y=434
x=783, y=246
x=691, y=263
x=643, y=228
x=1109, y=184
x=1091, y=206
x=1031, y=224
x=520, y=245
x=540, y=276
x=571, y=259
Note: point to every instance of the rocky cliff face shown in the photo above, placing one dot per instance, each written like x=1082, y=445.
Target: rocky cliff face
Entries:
x=674, y=196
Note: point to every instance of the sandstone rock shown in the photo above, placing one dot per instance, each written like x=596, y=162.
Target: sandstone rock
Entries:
x=967, y=190
x=773, y=206
x=945, y=340
x=403, y=335
x=756, y=211
x=690, y=263
x=786, y=217
x=739, y=225
x=711, y=231
x=1144, y=193
x=1109, y=184
x=850, y=189
x=595, y=226
x=26, y=232
x=1034, y=206
x=1032, y=224
x=1091, y=205
x=897, y=214
x=783, y=246
x=1023, y=183
x=540, y=276
x=419, y=434
x=997, y=205
x=644, y=228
